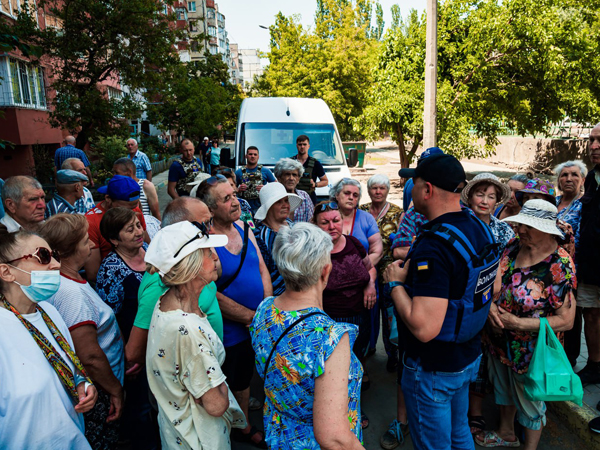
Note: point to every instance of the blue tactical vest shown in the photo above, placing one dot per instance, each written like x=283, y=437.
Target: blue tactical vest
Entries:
x=466, y=316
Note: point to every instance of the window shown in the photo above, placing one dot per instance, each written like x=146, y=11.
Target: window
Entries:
x=212, y=31
x=181, y=14
x=114, y=93
x=13, y=7
x=193, y=26
x=211, y=13
x=22, y=84
x=192, y=6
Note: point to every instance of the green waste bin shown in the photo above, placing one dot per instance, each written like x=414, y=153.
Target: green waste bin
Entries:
x=360, y=146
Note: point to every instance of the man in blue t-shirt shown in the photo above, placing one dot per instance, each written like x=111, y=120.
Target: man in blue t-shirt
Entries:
x=438, y=370
x=251, y=178
x=183, y=171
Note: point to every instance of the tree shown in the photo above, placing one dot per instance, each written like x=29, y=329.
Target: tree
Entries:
x=130, y=42
x=196, y=98
x=332, y=62
x=518, y=64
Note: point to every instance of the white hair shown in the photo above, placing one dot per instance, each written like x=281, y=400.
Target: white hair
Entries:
x=339, y=186
x=287, y=165
x=131, y=139
x=575, y=163
x=379, y=179
x=301, y=252
x=14, y=186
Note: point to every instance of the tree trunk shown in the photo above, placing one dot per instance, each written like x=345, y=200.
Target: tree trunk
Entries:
x=404, y=159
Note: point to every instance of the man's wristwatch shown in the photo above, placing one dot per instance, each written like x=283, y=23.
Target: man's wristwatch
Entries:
x=393, y=284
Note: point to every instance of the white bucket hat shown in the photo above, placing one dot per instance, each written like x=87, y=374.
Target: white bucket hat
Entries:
x=539, y=214
x=488, y=178
x=192, y=186
x=174, y=242
x=272, y=193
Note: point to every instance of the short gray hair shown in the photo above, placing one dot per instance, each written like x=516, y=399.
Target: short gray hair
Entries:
x=70, y=140
x=287, y=165
x=68, y=163
x=520, y=177
x=574, y=163
x=205, y=193
x=14, y=186
x=131, y=139
x=177, y=211
x=379, y=179
x=126, y=163
x=339, y=186
x=301, y=252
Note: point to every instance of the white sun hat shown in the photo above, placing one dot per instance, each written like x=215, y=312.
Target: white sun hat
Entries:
x=272, y=193
x=174, y=242
x=539, y=214
x=488, y=178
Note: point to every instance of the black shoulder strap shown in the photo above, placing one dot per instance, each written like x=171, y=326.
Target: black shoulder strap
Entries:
x=243, y=257
x=287, y=330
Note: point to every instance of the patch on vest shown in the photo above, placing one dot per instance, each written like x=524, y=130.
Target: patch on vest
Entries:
x=486, y=279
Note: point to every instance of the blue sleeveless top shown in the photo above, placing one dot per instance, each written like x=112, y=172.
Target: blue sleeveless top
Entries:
x=247, y=289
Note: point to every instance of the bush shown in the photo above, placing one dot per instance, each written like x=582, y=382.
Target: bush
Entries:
x=43, y=164
x=105, y=151
x=154, y=148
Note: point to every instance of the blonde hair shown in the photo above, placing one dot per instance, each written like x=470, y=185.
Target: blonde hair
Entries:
x=184, y=271
x=63, y=232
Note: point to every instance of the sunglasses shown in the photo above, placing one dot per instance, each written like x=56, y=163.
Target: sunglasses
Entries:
x=42, y=254
x=214, y=179
x=326, y=206
x=203, y=229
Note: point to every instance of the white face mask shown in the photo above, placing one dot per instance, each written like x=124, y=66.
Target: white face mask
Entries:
x=44, y=284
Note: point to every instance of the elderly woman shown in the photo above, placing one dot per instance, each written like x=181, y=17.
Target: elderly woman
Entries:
x=512, y=207
x=536, y=279
x=44, y=386
x=195, y=407
x=570, y=176
x=298, y=363
x=117, y=284
x=387, y=215
x=350, y=291
x=288, y=172
x=92, y=325
x=482, y=194
x=356, y=222
x=276, y=206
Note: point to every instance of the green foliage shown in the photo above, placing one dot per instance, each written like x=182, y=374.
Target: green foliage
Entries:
x=110, y=41
x=332, y=62
x=152, y=145
x=196, y=98
x=43, y=164
x=105, y=151
x=519, y=63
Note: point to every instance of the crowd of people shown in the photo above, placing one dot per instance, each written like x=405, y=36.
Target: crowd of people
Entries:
x=121, y=323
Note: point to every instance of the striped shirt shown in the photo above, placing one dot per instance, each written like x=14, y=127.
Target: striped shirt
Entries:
x=410, y=227
x=85, y=203
x=265, y=238
x=142, y=164
x=304, y=212
x=59, y=205
x=143, y=199
x=69, y=151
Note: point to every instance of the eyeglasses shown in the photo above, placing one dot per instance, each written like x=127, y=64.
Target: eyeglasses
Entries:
x=203, y=227
x=42, y=254
x=326, y=206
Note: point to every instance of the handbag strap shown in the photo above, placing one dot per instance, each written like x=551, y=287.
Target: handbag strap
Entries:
x=242, y=259
x=286, y=331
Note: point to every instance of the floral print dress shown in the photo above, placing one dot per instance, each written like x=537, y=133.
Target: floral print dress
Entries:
x=533, y=292
x=301, y=356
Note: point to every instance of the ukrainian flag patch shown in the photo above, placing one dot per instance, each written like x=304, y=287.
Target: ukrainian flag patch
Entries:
x=422, y=265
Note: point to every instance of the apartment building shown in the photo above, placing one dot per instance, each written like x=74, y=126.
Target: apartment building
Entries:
x=252, y=66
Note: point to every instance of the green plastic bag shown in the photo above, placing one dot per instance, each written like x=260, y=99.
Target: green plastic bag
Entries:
x=550, y=376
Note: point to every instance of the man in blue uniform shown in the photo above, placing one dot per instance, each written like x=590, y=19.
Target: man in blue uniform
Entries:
x=442, y=294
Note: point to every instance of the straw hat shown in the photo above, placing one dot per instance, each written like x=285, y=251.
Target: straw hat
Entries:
x=538, y=214
x=487, y=178
x=272, y=193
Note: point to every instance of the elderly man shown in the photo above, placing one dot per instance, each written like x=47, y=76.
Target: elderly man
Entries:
x=288, y=172
x=24, y=203
x=588, y=263
x=69, y=189
x=428, y=293
x=151, y=288
x=70, y=151
x=184, y=170
x=85, y=203
x=141, y=161
x=148, y=196
x=313, y=169
x=120, y=191
x=243, y=283
x=251, y=178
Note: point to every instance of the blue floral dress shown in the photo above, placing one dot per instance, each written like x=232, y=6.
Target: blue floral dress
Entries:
x=290, y=382
x=572, y=215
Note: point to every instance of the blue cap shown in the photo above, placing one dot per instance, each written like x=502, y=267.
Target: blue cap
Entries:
x=431, y=151
x=121, y=188
x=69, y=177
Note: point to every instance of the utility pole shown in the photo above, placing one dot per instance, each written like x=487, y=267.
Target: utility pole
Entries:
x=430, y=109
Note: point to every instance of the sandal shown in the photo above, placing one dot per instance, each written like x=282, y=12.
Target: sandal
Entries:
x=364, y=421
x=476, y=424
x=240, y=436
x=491, y=439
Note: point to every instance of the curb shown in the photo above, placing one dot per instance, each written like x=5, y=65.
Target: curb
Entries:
x=576, y=419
